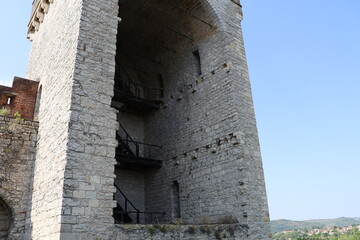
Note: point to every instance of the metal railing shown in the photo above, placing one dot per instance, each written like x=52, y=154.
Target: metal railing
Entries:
x=131, y=88
x=130, y=211
x=129, y=147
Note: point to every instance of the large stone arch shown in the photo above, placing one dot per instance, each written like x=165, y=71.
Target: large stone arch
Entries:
x=169, y=25
x=6, y=217
x=212, y=7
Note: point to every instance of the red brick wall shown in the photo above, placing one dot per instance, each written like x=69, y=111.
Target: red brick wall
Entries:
x=23, y=97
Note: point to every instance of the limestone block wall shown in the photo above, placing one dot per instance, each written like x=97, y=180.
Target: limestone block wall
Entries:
x=208, y=127
x=186, y=232
x=89, y=176
x=52, y=64
x=198, y=130
x=75, y=156
x=17, y=155
x=210, y=144
x=72, y=57
x=255, y=207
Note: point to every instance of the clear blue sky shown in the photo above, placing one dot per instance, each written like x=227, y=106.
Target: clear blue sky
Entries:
x=304, y=60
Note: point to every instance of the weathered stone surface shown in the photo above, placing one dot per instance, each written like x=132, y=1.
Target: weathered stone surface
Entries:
x=17, y=155
x=205, y=125
x=168, y=232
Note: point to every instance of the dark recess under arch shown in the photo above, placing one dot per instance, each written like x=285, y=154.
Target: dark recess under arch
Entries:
x=5, y=219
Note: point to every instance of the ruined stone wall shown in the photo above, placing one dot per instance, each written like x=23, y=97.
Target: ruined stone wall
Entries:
x=17, y=155
x=208, y=127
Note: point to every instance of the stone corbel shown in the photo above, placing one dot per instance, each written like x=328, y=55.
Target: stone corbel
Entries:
x=45, y=6
x=36, y=25
x=40, y=16
x=37, y=17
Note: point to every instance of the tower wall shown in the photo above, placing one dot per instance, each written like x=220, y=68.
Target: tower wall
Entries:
x=209, y=132
x=208, y=128
x=73, y=58
x=52, y=63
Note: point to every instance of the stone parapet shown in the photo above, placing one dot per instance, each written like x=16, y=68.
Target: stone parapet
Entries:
x=167, y=231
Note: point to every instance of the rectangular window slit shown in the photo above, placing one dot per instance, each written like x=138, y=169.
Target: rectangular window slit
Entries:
x=175, y=192
x=198, y=62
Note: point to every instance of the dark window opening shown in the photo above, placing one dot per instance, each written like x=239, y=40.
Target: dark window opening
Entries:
x=175, y=200
x=161, y=85
x=198, y=62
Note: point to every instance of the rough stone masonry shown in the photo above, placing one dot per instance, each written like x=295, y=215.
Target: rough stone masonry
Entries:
x=146, y=123
x=17, y=155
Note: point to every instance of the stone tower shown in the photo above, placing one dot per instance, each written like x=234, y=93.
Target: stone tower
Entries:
x=145, y=116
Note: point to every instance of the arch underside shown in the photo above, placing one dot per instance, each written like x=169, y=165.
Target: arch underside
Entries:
x=5, y=219
x=159, y=49
x=151, y=30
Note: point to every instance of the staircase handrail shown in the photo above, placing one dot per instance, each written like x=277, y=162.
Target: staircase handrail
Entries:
x=126, y=199
x=158, y=213
x=136, y=142
x=127, y=134
x=145, y=144
x=135, y=210
x=129, y=139
x=138, y=85
x=147, y=91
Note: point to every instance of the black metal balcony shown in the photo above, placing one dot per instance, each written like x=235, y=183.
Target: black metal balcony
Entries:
x=135, y=98
x=131, y=154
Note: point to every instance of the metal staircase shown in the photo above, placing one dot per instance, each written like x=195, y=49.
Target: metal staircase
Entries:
x=126, y=212
x=135, y=155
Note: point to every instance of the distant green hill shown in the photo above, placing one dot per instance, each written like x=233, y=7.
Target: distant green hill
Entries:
x=287, y=225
